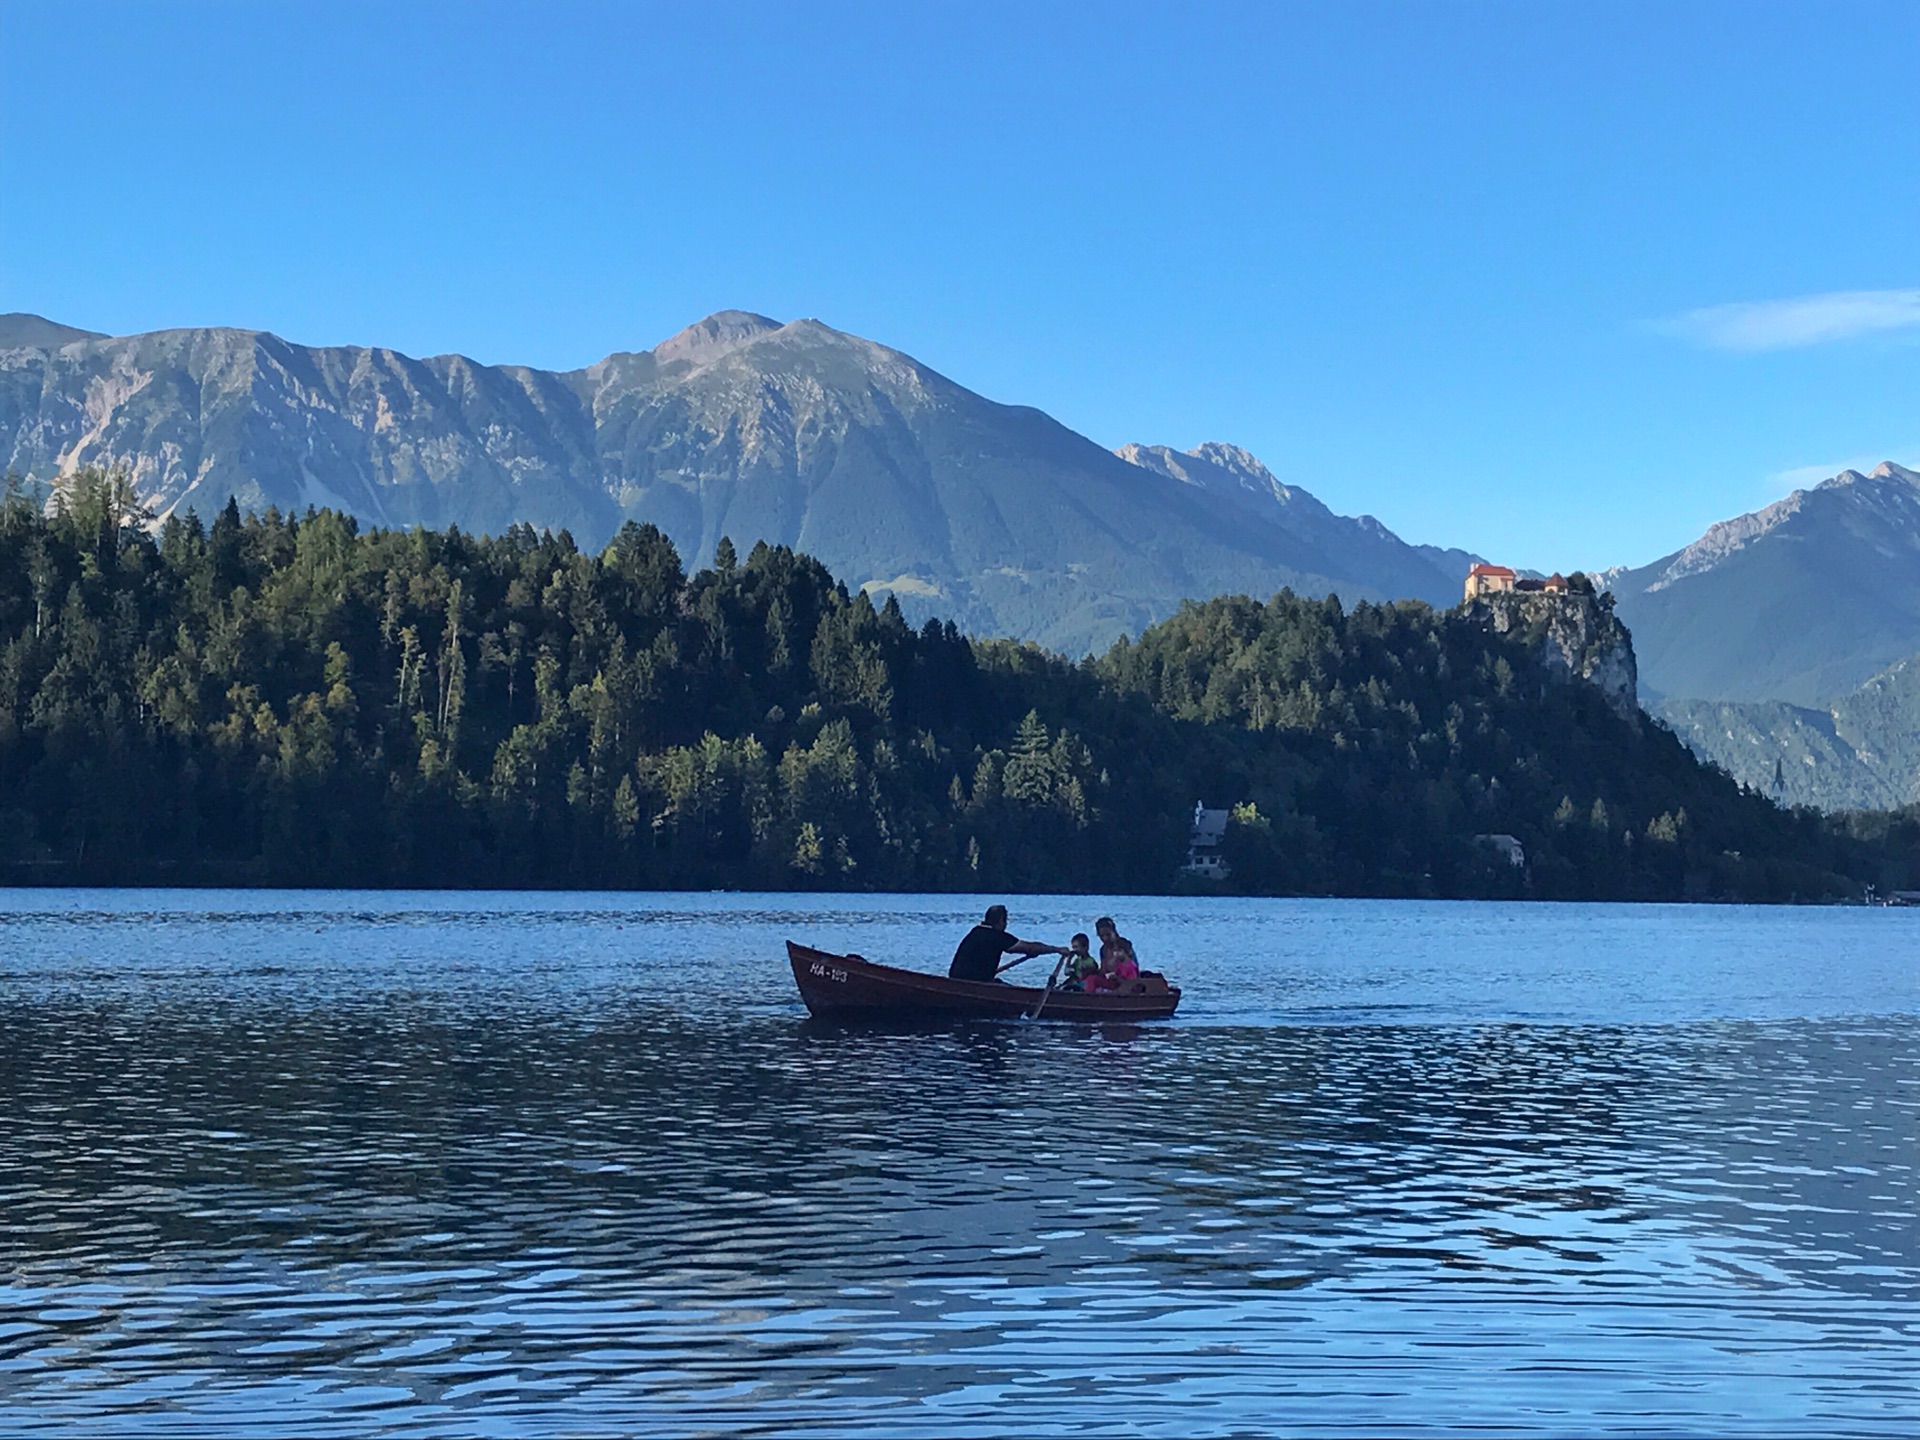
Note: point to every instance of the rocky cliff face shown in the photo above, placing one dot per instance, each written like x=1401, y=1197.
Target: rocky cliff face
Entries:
x=1578, y=637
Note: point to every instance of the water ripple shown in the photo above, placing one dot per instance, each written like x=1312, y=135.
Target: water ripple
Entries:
x=277, y=1171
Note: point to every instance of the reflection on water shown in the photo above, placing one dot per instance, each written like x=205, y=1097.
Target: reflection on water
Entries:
x=541, y=1168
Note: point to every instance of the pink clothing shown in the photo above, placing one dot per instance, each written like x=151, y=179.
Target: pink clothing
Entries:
x=1117, y=962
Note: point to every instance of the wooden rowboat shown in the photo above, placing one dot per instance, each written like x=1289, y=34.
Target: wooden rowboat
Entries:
x=849, y=986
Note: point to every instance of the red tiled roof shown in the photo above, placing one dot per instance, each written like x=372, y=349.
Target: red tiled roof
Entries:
x=1491, y=570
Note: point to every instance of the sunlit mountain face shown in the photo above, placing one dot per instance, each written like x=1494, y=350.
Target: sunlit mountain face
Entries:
x=741, y=426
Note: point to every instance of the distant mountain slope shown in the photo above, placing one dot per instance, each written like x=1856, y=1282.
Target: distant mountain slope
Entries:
x=1355, y=546
x=1862, y=753
x=740, y=425
x=1800, y=602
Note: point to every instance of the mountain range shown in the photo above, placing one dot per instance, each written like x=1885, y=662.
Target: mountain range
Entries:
x=1801, y=602
x=741, y=426
x=1783, y=644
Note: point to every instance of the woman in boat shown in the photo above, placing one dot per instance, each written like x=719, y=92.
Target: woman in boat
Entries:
x=1118, y=963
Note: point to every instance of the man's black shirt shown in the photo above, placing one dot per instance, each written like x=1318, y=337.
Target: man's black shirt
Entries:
x=978, y=957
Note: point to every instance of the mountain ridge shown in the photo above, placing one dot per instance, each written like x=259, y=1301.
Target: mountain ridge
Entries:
x=1799, y=602
x=22, y=331
x=739, y=425
x=1360, y=542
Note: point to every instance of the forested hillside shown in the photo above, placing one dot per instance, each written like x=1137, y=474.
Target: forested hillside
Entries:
x=1862, y=752
x=272, y=700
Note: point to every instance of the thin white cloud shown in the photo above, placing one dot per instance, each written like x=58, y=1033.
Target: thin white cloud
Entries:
x=1791, y=324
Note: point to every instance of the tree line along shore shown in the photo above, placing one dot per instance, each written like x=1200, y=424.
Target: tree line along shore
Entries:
x=280, y=700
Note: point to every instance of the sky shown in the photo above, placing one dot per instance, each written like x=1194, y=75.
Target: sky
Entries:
x=1559, y=283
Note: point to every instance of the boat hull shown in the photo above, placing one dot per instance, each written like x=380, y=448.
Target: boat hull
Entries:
x=849, y=986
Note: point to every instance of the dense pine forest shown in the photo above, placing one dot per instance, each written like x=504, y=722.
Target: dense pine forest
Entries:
x=295, y=701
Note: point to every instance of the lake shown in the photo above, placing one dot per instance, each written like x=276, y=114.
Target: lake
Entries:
x=322, y=1163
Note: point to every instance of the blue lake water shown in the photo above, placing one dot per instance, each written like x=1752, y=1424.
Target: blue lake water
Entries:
x=328, y=1163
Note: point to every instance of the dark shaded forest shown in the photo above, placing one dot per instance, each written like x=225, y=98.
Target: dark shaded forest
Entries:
x=294, y=701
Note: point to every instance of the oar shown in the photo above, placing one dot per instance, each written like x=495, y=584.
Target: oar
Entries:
x=1052, y=980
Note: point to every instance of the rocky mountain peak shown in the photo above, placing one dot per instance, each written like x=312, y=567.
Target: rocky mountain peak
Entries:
x=1723, y=538
x=1798, y=602
x=709, y=339
x=1236, y=480
x=1234, y=459
x=1212, y=465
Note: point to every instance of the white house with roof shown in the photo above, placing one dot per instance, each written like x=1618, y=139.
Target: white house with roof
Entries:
x=1204, y=841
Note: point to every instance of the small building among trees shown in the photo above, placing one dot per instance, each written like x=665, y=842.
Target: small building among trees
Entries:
x=1204, y=841
x=1507, y=847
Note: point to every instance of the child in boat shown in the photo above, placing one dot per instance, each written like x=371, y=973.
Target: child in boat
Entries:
x=1080, y=963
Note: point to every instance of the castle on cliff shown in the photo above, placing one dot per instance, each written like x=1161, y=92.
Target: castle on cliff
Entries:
x=1570, y=621
x=1486, y=579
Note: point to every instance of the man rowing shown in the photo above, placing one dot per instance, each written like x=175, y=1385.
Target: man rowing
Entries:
x=980, y=949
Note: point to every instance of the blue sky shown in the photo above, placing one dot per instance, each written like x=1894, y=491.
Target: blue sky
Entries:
x=1563, y=283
